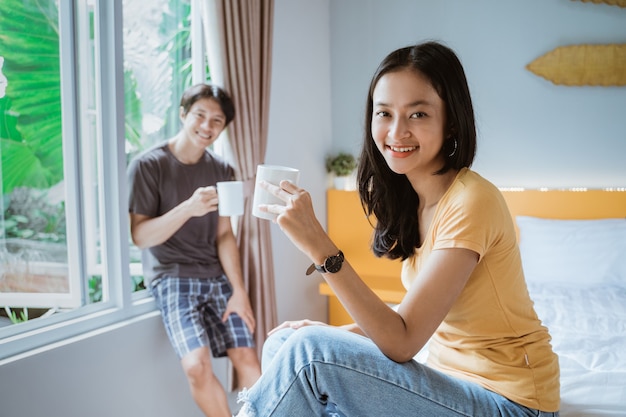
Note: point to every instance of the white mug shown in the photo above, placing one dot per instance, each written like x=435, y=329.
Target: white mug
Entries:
x=272, y=174
x=230, y=198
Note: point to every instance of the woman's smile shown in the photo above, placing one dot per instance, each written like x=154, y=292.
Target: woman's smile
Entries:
x=402, y=151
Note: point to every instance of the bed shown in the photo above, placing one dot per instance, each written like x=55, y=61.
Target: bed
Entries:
x=573, y=245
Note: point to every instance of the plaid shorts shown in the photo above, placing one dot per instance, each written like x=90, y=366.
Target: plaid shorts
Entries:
x=192, y=310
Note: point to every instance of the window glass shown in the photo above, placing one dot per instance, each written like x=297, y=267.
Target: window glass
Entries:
x=49, y=128
x=33, y=235
x=157, y=69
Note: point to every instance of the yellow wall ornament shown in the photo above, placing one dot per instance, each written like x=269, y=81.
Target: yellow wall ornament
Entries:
x=620, y=3
x=577, y=65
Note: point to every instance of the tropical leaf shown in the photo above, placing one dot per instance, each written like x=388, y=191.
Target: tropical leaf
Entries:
x=134, y=114
x=30, y=114
x=29, y=170
x=8, y=121
x=30, y=123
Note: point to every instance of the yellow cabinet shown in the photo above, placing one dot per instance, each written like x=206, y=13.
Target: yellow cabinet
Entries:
x=351, y=231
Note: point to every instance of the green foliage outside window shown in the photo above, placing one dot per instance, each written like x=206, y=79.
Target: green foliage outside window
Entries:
x=30, y=122
x=31, y=142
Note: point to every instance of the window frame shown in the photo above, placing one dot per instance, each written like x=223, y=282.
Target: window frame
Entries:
x=120, y=303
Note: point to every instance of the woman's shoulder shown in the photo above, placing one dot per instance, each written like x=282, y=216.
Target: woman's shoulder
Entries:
x=475, y=193
x=473, y=181
x=476, y=210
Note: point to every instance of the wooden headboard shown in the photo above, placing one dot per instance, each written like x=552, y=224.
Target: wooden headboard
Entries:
x=567, y=204
x=351, y=231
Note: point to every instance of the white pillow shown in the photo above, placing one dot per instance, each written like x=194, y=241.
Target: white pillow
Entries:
x=574, y=252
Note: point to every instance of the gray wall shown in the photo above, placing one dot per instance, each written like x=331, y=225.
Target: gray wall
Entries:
x=300, y=135
x=532, y=133
x=126, y=370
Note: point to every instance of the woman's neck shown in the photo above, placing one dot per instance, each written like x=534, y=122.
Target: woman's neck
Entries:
x=431, y=188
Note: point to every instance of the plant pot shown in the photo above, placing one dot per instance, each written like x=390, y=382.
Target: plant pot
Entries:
x=346, y=183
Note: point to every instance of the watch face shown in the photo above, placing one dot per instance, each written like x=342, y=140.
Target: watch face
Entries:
x=333, y=263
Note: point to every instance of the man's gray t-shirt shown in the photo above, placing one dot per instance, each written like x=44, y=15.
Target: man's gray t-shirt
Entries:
x=158, y=183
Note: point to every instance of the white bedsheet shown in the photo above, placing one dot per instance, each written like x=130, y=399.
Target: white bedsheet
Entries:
x=588, y=328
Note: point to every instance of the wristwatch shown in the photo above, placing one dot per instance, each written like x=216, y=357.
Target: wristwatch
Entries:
x=331, y=265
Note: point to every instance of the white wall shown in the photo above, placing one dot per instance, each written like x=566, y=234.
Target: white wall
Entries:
x=300, y=136
x=127, y=370
x=531, y=132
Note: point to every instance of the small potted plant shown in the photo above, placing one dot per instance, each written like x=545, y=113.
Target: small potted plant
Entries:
x=342, y=166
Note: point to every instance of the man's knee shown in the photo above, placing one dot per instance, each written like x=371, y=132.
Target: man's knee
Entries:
x=243, y=357
x=197, y=365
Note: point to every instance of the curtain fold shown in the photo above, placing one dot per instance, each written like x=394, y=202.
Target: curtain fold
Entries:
x=238, y=38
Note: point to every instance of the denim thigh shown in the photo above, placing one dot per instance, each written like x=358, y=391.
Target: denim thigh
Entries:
x=324, y=371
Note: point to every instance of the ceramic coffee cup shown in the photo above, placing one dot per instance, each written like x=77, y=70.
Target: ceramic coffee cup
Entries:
x=273, y=174
x=230, y=198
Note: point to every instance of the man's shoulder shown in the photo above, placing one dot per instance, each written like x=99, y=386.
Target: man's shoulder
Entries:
x=153, y=153
x=150, y=158
x=211, y=158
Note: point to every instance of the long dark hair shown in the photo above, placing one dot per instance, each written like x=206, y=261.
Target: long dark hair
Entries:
x=388, y=196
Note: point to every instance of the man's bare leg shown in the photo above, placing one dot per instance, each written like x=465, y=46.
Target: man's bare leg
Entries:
x=205, y=387
x=246, y=364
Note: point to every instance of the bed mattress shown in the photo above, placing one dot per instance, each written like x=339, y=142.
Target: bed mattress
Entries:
x=588, y=328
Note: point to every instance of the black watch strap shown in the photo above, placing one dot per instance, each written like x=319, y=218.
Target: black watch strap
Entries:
x=331, y=265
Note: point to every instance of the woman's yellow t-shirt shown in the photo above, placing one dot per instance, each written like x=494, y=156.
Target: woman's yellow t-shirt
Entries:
x=491, y=335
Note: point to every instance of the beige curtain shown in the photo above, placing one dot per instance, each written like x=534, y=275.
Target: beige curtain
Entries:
x=238, y=37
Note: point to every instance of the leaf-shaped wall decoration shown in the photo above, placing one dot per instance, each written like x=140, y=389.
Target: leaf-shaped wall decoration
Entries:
x=597, y=65
x=620, y=3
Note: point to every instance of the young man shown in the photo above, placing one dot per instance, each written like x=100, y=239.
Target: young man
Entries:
x=189, y=253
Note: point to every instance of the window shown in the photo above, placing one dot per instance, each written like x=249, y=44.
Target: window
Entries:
x=66, y=260
x=157, y=58
x=33, y=250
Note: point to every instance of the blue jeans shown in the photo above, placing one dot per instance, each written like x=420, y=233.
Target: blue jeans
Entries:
x=323, y=371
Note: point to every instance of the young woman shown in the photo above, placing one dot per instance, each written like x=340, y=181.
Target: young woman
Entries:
x=189, y=253
x=489, y=354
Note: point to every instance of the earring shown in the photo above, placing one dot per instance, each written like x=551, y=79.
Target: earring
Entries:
x=456, y=145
